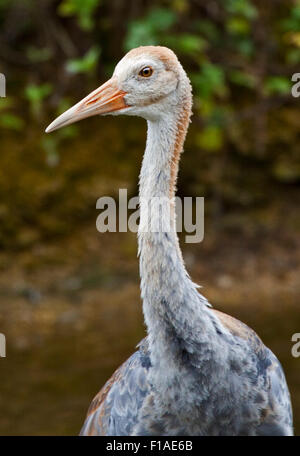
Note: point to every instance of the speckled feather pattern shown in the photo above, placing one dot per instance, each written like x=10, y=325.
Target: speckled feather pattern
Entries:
x=199, y=371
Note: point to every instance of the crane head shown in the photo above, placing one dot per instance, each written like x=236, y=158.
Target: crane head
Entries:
x=145, y=83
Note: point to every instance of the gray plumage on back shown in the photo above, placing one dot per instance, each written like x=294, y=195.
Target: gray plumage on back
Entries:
x=199, y=371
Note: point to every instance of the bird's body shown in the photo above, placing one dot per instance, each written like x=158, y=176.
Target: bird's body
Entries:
x=199, y=371
x=233, y=405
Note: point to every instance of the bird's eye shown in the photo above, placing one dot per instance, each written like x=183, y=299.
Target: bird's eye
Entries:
x=146, y=72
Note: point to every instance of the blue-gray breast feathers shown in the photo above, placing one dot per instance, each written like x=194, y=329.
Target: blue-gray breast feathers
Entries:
x=114, y=411
x=246, y=396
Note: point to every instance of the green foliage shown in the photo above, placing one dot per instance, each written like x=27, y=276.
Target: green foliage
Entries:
x=239, y=55
x=86, y=64
x=277, y=84
x=36, y=54
x=244, y=8
x=207, y=29
x=186, y=44
x=241, y=78
x=11, y=121
x=151, y=29
x=4, y=4
x=245, y=47
x=156, y=29
x=209, y=80
x=8, y=119
x=293, y=56
x=292, y=22
x=290, y=34
x=238, y=26
x=83, y=9
x=210, y=138
x=35, y=94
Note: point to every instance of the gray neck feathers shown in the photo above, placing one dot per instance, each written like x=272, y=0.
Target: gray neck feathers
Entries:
x=176, y=315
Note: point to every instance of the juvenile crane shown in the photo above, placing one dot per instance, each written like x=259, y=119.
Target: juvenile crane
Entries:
x=198, y=371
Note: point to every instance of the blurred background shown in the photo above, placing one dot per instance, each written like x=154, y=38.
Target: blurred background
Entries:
x=69, y=296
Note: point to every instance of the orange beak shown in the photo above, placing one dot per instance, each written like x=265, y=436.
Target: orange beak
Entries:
x=107, y=98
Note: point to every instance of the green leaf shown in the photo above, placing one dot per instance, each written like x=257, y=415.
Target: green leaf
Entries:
x=161, y=18
x=210, y=138
x=238, y=26
x=151, y=29
x=293, y=56
x=187, y=44
x=35, y=94
x=241, y=7
x=210, y=80
x=36, y=54
x=11, y=121
x=277, y=84
x=206, y=107
x=85, y=64
x=83, y=9
x=245, y=46
x=292, y=23
x=242, y=78
x=140, y=34
x=208, y=29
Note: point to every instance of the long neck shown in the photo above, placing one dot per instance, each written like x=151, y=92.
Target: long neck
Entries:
x=171, y=304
